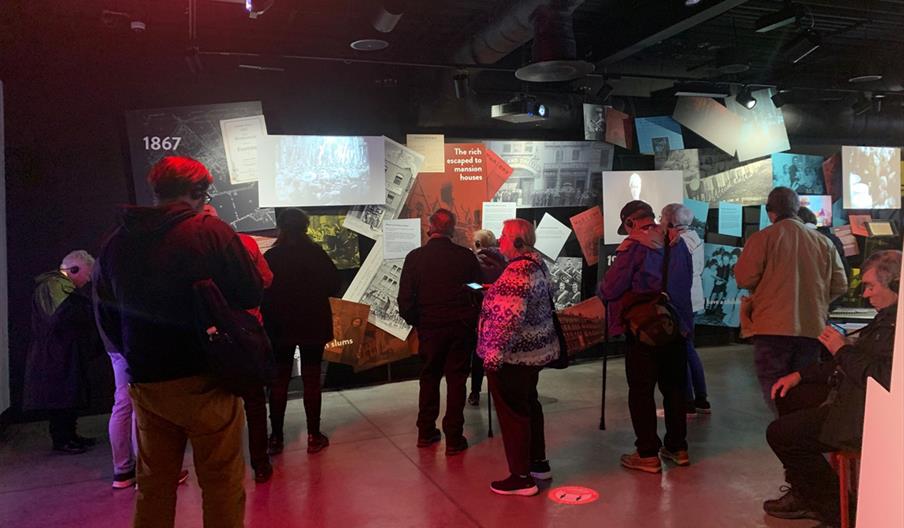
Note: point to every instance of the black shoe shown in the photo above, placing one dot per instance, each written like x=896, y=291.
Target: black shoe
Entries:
x=316, y=442
x=275, y=445
x=703, y=406
x=474, y=399
x=263, y=473
x=456, y=446
x=691, y=408
x=539, y=469
x=427, y=440
x=124, y=480
x=788, y=506
x=70, y=448
x=514, y=485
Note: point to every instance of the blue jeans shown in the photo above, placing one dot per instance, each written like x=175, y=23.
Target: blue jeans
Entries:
x=123, y=436
x=696, y=380
x=777, y=356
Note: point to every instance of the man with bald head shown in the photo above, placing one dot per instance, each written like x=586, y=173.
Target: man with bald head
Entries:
x=434, y=298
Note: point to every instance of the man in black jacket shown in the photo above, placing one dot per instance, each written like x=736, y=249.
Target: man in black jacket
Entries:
x=144, y=305
x=434, y=298
x=800, y=438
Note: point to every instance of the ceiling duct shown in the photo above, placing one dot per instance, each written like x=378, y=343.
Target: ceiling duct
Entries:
x=511, y=30
x=554, y=51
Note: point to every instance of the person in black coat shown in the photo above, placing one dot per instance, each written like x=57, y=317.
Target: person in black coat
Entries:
x=64, y=341
x=296, y=310
x=434, y=298
x=835, y=421
x=492, y=264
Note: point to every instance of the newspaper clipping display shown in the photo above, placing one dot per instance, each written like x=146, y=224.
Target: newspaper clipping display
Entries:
x=377, y=285
x=553, y=173
x=402, y=166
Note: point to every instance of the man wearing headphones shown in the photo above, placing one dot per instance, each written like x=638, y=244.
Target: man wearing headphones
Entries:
x=800, y=438
x=435, y=299
x=63, y=341
x=144, y=302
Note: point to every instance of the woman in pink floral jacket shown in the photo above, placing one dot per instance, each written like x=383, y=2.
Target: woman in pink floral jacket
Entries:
x=516, y=339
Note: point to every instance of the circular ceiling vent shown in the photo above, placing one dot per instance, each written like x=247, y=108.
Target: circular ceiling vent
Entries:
x=369, y=45
x=554, y=71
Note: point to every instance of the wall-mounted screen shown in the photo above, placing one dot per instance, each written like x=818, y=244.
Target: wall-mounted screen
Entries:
x=871, y=177
x=799, y=172
x=821, y=205
x=307, y=171
x=657, y=188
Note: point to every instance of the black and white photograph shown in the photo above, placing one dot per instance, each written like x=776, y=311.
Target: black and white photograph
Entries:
x=401, y=165
x=746, y=185
x=196, y=132
x=566, y=274
x=657, y=188
x=377, y=285
x=552, y=173
x=594, y=122
x=800, y=172
x=316, y=171
x=871, y=177
x=696, y=164
x=721, y=295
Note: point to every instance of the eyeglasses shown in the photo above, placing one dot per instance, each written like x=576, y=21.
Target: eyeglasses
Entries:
x=207, y=197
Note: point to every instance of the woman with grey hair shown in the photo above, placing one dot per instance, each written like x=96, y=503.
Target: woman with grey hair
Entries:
x=678, y=219
x=516, y=339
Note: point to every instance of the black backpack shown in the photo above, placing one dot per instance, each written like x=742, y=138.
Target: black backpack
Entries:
x=236, y=347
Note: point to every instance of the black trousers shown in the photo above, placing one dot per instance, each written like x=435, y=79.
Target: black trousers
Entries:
x=514, y=391
x=476, y=372
x=256, y=415
x=645, y=367
x=795, y=440
x=445, y=352
x=311, y=357
x=62, y=425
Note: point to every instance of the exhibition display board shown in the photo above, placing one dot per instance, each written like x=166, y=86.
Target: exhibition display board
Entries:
x=486, y=181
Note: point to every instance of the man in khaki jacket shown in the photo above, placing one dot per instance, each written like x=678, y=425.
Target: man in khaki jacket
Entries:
x=793, y=274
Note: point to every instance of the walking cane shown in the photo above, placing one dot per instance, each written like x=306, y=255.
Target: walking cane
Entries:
x=489, y=412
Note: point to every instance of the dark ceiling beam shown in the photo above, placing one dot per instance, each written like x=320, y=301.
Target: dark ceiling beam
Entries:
x=670, y=31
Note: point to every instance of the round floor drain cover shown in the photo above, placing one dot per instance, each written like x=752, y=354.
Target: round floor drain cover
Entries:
x=573, y=495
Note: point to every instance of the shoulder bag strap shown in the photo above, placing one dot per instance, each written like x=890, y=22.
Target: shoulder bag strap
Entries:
x=665, y=263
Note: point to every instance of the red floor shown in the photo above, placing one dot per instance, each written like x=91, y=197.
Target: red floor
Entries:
x=373, y=475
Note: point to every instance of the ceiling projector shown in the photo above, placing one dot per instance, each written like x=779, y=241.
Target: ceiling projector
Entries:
x=520, y=111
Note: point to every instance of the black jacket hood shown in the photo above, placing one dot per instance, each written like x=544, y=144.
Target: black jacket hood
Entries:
x=140, y=220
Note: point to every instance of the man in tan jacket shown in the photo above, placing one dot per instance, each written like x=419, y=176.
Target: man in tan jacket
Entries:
x=793, y=274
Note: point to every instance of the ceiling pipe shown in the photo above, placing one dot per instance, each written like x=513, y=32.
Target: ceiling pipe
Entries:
x=510, y=31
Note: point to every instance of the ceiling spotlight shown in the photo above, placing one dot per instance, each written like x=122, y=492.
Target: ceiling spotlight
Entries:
x=745, y=99
x=781, y=97
x=785, y=17
x=802, y=45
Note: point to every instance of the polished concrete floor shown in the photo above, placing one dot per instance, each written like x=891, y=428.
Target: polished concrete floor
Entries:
x=372, y=475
